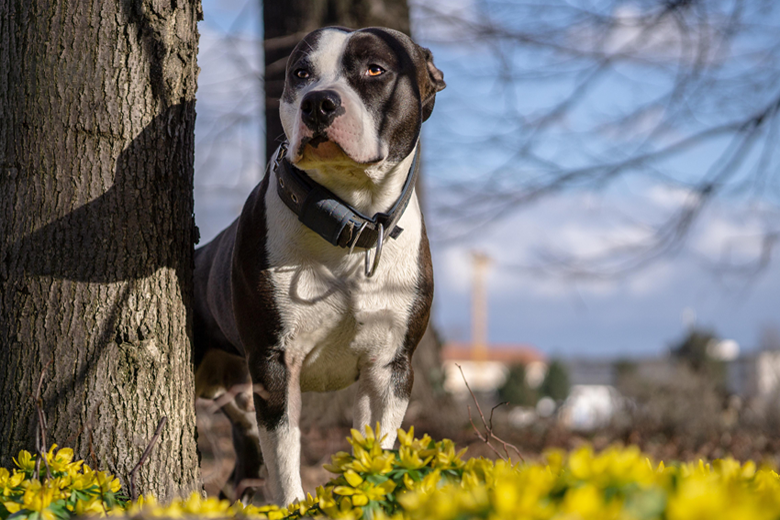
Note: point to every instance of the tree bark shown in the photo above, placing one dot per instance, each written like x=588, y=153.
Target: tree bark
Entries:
x=96, y=231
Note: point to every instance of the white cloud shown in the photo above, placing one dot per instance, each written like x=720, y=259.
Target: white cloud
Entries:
x=646, y=35
x=732, y=237
x=587, y=226
x=441, y=19
x=666, y=197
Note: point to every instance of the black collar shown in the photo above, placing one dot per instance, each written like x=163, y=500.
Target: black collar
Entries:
x=325, y=213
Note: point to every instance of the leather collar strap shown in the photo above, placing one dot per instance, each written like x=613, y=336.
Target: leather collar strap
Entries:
x=325, y=213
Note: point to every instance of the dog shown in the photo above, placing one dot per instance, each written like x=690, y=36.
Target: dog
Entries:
x=325, y=278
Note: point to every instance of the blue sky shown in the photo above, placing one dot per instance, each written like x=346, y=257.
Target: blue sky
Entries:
x=637, y=315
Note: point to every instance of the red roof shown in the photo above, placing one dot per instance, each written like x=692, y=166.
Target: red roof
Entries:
x=505, y=353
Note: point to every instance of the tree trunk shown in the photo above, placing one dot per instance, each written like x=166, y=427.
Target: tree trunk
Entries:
x=96, y=231
x=285, y=24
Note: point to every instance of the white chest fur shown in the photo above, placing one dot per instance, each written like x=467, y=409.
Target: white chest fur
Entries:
x=334, y=319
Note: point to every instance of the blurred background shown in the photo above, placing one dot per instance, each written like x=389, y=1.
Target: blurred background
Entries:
x=600, y=184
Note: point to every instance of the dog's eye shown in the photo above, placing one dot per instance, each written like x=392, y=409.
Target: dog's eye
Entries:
x=302, y=73
x=374, y=70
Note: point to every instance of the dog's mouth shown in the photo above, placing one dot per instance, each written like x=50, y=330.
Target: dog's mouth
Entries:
x=321, y=148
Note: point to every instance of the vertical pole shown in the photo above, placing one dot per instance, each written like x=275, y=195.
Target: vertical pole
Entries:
x=479, y=332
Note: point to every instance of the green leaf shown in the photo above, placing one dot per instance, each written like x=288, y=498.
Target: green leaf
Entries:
x=81, y=495
x=451, y=473
x=397, y=473
x=60, y=511
x=650, y=503
x=377, y=479
x=22, y=513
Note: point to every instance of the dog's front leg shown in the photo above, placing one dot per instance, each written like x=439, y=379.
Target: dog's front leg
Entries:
x=276, y=381
x=383, y=396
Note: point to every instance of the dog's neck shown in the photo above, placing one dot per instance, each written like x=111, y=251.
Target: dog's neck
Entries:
x=369, y=190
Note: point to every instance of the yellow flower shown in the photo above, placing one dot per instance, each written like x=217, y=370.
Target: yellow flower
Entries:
x=61, y=461
x=410, y=458
x=352, y=478
x=211, y=507
x=38, y=497
x=303, y=506
x=445, y=456
x=430, y=481
x=371, y=439
x=409, y=481
x=407, y=440
x=25, y=461
x=9, y=481
x=375, y=462
x=107, y=482
x=587, y=502
x=616, y=483
x=339, y=462
x=361, y=495
x=93, y=506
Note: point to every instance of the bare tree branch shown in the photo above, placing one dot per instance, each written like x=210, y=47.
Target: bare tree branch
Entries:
x=714, y=71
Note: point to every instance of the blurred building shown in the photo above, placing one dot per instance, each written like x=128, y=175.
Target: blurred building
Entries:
x=486, y=369
x=756, y=376
x=589, y=407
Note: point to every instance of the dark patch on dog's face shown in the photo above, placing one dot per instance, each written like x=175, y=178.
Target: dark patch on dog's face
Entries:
x=314, y=141
x=299, y=60
x=392, y=78
x=393, y=97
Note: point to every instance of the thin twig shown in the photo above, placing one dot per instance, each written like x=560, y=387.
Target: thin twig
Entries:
x=482, y=437
x=490, y=421
x=488, y=425
x=145, y=455
x=40, y=434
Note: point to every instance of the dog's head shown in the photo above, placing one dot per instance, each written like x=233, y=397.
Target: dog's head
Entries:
x=356, y=98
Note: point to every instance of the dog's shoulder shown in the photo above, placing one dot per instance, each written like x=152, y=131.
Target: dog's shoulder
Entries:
x=254, y=304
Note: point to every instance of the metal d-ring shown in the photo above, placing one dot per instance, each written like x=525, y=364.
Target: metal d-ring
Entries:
x=360, y=232
x=379, y=242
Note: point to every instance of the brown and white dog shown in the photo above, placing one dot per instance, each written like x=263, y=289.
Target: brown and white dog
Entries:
x=287, y=303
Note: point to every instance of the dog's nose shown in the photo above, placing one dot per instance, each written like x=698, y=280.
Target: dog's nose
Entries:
x=319, y=108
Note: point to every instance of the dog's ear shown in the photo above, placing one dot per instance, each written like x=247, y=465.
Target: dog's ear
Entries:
x=434, y=83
